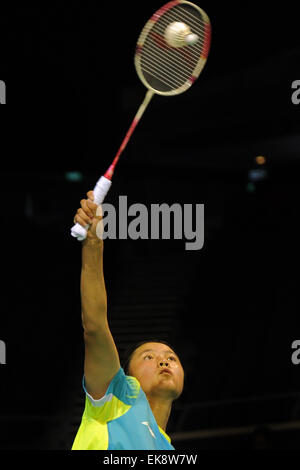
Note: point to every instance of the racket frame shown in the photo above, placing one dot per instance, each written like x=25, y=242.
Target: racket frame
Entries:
x=202, y=59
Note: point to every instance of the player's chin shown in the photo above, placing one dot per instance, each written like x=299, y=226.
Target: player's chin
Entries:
x=175, y=393
x=178, y=392
x=172, y=390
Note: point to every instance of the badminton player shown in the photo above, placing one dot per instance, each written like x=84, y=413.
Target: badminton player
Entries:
x=125, y=407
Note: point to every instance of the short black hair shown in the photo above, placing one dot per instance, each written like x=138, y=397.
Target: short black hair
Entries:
x=126, y=357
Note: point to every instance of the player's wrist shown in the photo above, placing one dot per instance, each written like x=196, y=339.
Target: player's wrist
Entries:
x=92, y=240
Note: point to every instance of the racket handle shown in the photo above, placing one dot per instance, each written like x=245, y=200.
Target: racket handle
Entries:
x=100, y=190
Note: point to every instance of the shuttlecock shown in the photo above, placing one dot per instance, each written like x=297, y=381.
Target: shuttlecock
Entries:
x=178, y=34
x=191, y=39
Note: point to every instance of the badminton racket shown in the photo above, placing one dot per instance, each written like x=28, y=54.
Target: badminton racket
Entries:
x=170, y=54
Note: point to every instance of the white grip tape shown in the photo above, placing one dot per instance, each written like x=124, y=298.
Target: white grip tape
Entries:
x=100, y=191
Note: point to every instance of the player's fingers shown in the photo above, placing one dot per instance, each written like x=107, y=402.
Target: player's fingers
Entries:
x=92, y=206
x=79, y=220
x=90, y=195
x=86, y=208
x=84, y=216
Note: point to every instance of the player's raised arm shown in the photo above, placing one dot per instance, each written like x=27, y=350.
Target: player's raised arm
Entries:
x=101, y=355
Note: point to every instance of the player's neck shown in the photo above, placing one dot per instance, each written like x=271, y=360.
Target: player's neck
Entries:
x=161, y=409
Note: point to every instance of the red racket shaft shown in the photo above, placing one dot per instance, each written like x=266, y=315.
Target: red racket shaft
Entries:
x=103, y=184
x=135, y=122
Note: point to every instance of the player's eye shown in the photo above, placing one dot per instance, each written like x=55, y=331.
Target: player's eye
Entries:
x=173, y=358
x=149, y=356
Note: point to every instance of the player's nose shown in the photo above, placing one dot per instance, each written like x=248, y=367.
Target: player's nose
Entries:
x=164, y=364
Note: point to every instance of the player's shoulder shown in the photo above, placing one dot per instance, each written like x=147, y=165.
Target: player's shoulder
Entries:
x=124, y=387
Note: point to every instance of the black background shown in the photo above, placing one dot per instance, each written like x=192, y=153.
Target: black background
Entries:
x=232, y=308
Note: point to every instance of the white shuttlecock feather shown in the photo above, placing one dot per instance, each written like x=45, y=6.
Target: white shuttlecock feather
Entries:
x=178, y=34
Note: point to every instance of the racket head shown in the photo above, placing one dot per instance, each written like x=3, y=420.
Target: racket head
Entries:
x=167, y=70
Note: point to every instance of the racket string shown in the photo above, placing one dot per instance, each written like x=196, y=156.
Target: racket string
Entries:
x=168, y=62
x=149, y=59
x=184, y=15
x=164, y=79
x=160, y=60
x=172, y=16
x=178, y=77
x=167, y=19
x=174, y=81
x=171, y=56
x=193, y=51
x=196, y=49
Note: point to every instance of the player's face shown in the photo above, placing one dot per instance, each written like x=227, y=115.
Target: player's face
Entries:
x=158, y=369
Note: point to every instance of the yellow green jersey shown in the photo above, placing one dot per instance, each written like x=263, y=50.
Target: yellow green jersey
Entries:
x=121, y=420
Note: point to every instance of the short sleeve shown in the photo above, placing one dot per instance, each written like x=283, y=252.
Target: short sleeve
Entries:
x=121, y=394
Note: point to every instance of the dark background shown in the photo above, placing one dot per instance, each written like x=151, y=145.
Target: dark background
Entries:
x=231, y=309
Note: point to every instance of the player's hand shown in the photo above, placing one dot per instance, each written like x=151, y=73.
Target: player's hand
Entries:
x=88, y=214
